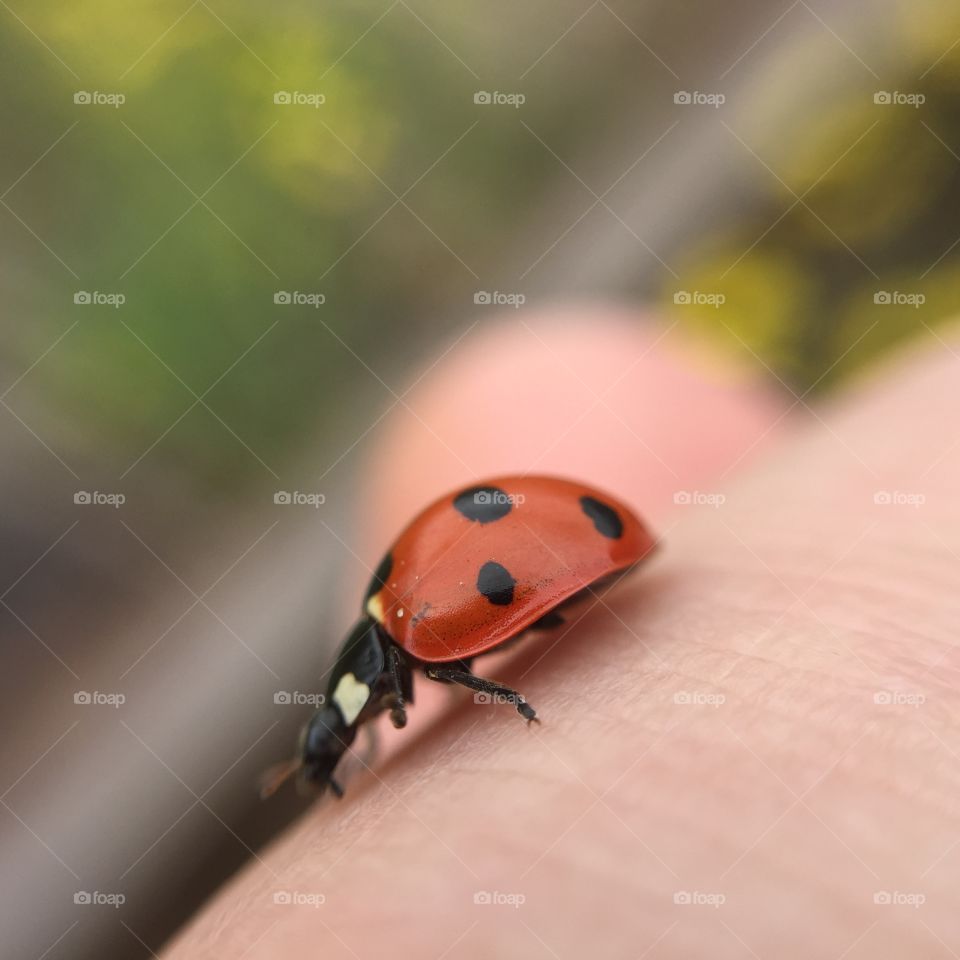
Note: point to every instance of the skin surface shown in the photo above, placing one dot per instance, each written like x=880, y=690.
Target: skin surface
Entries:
x=764, y=721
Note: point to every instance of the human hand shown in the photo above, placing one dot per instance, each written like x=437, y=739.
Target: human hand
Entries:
x=750, y=747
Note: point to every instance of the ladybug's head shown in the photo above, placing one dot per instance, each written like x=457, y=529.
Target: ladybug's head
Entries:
x=323, y=741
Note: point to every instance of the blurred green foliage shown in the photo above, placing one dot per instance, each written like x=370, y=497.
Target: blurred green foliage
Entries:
x=200, y=198
x=880, y=187
x=290, y=196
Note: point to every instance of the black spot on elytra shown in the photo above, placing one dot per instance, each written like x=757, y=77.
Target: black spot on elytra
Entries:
x=605, y=519
x=495, y=583
x=483, y=504
x=379, y=577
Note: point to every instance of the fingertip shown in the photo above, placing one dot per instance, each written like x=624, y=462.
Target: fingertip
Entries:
x=609, y=395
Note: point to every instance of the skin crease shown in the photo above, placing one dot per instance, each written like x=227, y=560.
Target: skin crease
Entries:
x=711, y=727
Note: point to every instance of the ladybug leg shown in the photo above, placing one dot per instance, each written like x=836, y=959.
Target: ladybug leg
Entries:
x=400, y=687
x=496, y=692
x=372, y=750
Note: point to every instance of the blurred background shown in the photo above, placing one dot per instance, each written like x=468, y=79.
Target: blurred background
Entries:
x=232, y=236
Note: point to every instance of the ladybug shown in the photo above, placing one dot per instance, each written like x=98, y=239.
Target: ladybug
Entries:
x=474, y=570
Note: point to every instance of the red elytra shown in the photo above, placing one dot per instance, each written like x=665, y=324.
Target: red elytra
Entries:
x=531, y=541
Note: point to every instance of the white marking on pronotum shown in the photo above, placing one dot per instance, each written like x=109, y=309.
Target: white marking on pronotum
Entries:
x=375, y=608
x=351, y=697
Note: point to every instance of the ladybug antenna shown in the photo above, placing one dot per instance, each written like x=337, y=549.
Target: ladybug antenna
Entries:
x=274, y=777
